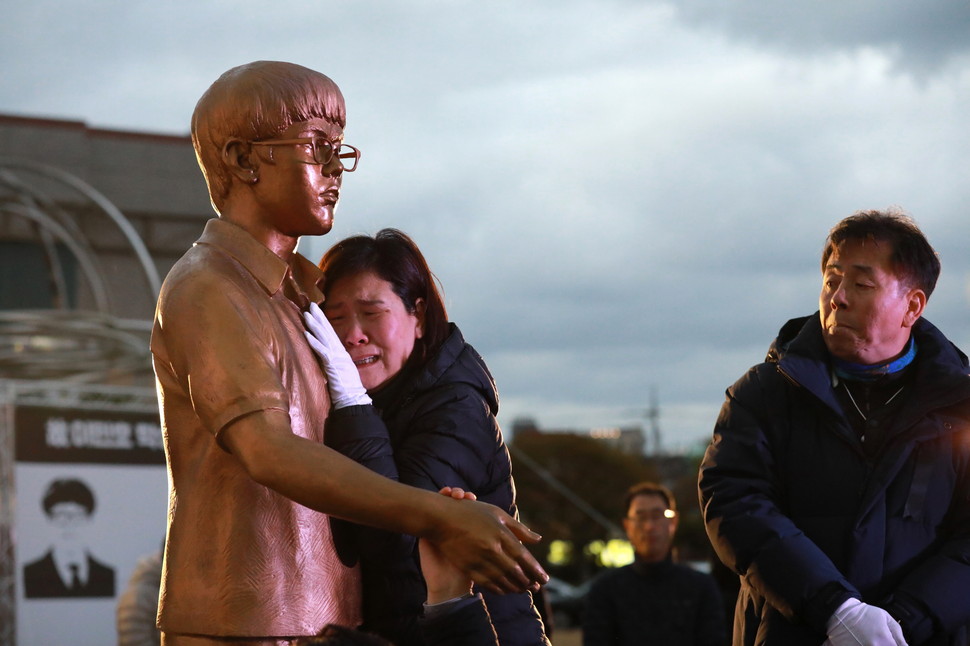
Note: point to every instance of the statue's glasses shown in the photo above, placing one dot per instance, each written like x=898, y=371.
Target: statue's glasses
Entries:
x=323, y=149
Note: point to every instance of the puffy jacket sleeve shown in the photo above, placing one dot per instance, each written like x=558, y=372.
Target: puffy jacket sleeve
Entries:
x=743, y=511
x=933, y=597
x=468, y=624
x=449, y=442
x=452, y=440
x=359, y=433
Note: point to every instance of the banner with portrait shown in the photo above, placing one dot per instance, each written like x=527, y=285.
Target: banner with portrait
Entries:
x=91, y=496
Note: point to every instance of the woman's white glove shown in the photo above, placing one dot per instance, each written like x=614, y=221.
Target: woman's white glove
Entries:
x=858, y=624
x=342, y=375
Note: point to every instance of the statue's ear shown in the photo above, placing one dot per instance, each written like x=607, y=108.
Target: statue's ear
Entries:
x=240, y=160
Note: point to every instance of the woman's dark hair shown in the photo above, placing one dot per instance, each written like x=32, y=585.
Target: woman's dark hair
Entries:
x=393, y=256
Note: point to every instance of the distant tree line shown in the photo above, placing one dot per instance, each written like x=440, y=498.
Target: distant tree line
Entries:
x=590, y=475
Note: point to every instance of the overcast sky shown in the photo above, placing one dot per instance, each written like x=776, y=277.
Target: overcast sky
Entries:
x=616, y=195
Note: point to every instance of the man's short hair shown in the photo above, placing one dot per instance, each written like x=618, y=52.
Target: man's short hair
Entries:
x=257, y=101
x=649, y=489
x=913, y=259
x=68, y=490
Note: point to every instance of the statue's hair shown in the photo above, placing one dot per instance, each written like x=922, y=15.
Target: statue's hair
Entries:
x=257, y=101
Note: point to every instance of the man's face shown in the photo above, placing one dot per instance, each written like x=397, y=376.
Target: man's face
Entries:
x=296, y=197
x=69, y=519
x=867, y=311
x=650, y=526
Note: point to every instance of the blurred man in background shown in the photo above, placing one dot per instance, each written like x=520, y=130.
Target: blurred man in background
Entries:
x=653, y=600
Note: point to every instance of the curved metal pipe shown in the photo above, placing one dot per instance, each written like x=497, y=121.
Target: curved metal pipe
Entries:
x=98, y=288
x=151, y=273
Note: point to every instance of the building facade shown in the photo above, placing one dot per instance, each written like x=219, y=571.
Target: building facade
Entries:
x=90, y=221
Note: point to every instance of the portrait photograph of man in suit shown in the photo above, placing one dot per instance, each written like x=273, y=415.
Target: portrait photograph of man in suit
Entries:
x=68, y=569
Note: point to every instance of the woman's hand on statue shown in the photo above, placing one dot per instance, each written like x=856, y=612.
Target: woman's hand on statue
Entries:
x=342, y=376
x=444, y=581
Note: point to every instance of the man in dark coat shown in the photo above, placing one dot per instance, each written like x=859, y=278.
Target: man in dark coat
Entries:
x=653, y=600
x=837, y=481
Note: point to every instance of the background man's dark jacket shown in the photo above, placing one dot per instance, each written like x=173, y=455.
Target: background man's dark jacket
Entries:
x=656, y=603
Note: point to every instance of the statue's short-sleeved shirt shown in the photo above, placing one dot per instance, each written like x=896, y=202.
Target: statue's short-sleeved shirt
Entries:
x=241, y=559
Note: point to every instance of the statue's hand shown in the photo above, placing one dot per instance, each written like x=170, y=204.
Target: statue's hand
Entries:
x=485, y=543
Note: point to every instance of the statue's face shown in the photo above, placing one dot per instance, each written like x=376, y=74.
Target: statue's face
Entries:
x=69, y=518
x=297, y=195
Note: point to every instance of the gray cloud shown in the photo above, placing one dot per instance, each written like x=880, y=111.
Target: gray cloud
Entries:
x=921, y=37
x=615, y=195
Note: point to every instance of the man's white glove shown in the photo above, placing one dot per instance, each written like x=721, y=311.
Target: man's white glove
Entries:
x=858, y=624
x=342, y=375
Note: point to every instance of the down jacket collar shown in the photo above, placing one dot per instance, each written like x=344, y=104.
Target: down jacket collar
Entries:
x=456, y=362
x=941, y=378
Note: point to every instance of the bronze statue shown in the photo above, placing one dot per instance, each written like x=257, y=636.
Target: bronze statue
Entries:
x=250, y=557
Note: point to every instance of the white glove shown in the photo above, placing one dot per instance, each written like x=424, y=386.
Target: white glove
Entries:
x=858, y=624
x=342, y=375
